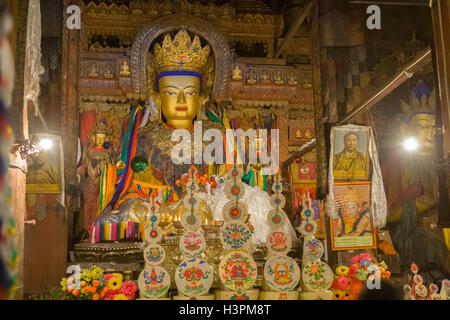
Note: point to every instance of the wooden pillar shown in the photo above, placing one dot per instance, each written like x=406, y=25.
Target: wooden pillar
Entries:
x=17, y=177
x=440, y=11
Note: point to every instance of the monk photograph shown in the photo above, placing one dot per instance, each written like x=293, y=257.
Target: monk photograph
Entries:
x=353, y=228
x=351, y=158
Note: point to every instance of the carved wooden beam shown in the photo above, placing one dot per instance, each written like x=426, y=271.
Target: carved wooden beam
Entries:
x=391, y=84
x=302, y=15
x=394, y=82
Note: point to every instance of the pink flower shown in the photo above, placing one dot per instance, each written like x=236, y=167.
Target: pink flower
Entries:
x=108, y=276
x=111, y=294
x=353, y=270
x=129, y=289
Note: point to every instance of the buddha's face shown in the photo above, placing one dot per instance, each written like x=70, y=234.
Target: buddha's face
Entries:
x=422, y=127
x=100, y=139
x=180, y=99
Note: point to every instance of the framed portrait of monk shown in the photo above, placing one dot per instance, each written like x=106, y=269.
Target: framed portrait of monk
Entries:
x=351, y=160
x=44, y=173
x=353, y=226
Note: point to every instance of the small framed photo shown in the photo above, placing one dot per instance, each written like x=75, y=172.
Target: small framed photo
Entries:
x=44, y=167
x=350, y=153
x=353, y=227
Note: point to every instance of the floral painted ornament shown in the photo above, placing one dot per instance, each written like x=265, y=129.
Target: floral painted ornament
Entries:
x=317, y=275
x=234, y=189
x=194, y=277
x=279, y=242
x=278, y=201
x=153, y=234
x=235, y=211
x=276, y=218
x=154, y=254
x=308, y=228
x=192, y=244
x=153, y=282
x=237, y=271
x=235, y=235
x=313, y=249
x=191, y=220
x=282, y=273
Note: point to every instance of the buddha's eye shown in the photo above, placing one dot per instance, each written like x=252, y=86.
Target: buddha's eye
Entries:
x=170, y=93
x=191, y=93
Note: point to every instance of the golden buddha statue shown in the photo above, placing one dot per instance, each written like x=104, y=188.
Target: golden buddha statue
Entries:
x=125, y=69
x=180, y=74
x=292, y=81
x=93, y=72
x=251, y=77
x=108, y=74
x=97, y=154
x=237, y=74
x=265, y=78
x=411, y=188
x=298, y=134
x=278, y=80
x=180, y=77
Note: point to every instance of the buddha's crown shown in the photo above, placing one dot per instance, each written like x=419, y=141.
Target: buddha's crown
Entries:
x=421, y=100
x=181, y=54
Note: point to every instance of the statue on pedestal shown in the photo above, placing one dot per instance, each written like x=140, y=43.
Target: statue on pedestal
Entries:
x=411, y=188
x=96, y=156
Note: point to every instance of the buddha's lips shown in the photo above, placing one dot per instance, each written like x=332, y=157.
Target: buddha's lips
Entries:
x=180, y=108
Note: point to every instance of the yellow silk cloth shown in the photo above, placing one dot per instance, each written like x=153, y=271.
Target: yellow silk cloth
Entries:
x=447, y=237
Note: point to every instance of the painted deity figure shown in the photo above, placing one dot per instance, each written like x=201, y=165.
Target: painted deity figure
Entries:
x=349, y=162
x=411, y=188
x=96, y=156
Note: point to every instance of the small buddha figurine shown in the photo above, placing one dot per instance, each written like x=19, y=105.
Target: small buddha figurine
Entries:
x=292, y=81
x=95, y=156
x=278, y=79
x=93, y=72
x=298, y=134
x=308, y=134
x=125, y=69
x=251, y=77
x=108, y=74
x=237, y=74
x=265, y=78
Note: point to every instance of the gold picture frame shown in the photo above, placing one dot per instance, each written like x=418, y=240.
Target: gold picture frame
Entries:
x=44, y=168
x=351, y=159
x=353, y=228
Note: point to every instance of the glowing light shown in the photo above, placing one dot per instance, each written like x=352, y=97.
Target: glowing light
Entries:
x=46, y=144
x=410, y=144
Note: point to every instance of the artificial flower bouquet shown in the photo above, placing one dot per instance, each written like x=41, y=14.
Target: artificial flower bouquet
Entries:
x=349, y=281
x=93, y=284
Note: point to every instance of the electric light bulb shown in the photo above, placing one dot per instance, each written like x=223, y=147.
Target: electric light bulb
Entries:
x=410, y=144
x=46, y=144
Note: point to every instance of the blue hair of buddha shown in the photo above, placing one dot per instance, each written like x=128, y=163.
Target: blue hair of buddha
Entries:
x=177, y=73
